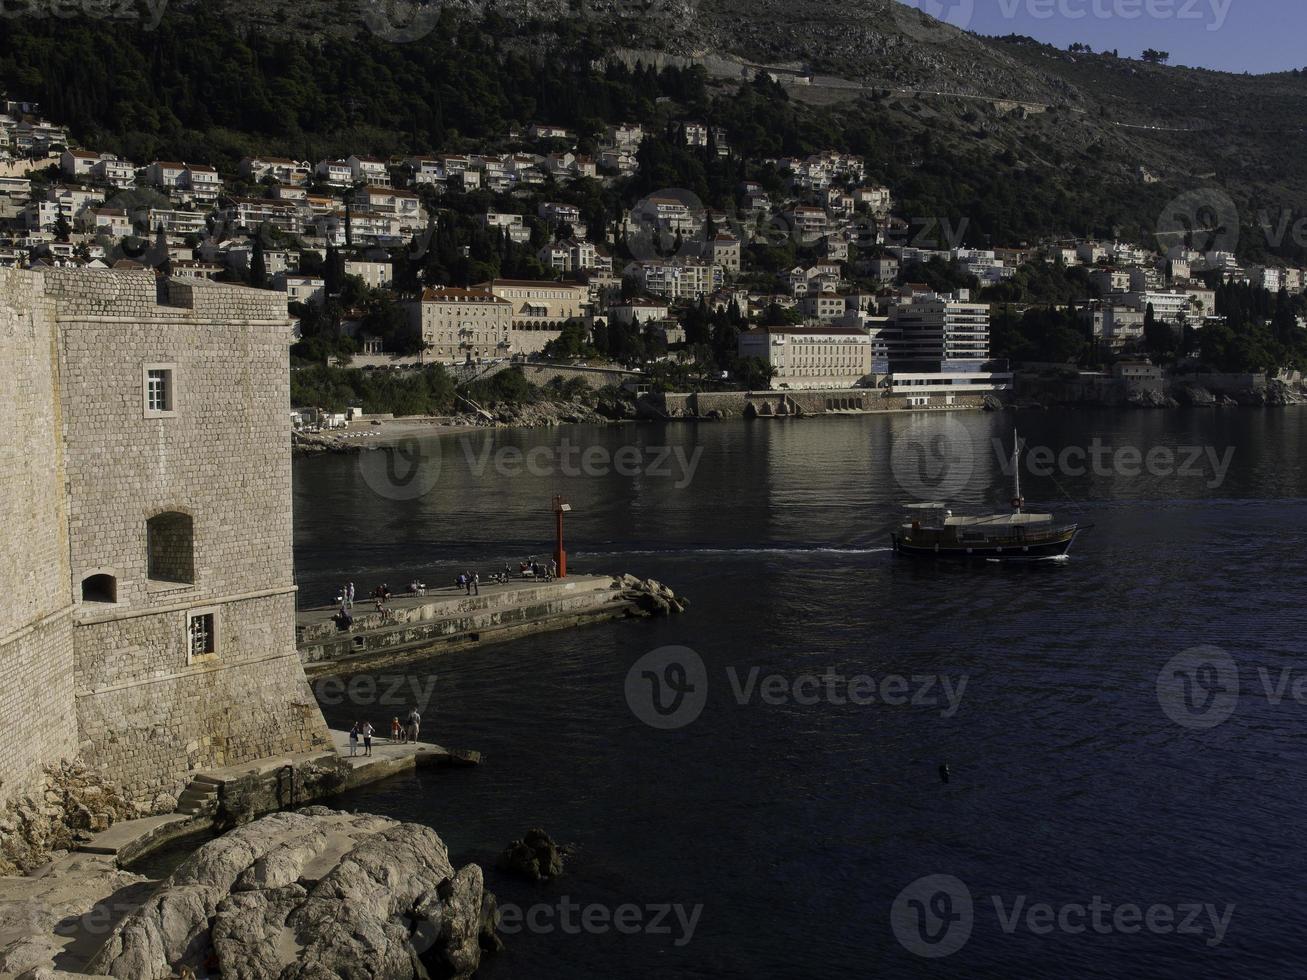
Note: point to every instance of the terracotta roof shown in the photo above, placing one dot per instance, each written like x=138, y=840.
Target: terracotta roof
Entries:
x=811, y=331
x=527, y=282
x=263, y=202
x=378, y=189
x=453, y=295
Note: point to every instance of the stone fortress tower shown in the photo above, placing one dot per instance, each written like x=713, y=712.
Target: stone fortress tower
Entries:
x=147, y=601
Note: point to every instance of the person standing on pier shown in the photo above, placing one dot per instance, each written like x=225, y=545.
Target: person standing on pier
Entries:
x=354, y=739
x=476, y=583
x=367, y=738
x=396, y=732
x=349, y=595
x=414, y=721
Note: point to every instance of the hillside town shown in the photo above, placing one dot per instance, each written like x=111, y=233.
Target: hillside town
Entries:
x=874, y=298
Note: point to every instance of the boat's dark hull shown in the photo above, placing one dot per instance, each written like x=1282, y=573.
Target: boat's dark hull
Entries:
x=1014, y=551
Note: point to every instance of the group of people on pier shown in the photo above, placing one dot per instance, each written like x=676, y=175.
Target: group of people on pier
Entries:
x=400, y=733
x=468, y=581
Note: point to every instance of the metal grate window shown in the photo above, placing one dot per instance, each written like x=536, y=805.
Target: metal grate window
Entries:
x=202, y=638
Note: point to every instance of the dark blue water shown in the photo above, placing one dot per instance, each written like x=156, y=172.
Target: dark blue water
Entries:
x=796, y=826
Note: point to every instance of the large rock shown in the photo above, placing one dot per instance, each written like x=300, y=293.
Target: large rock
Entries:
x=535, y=857
x=1150, y=398
x=316, y=893
x=1195, y=396
x=650, y=597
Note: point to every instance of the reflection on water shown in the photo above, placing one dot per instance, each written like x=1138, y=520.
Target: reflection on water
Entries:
x=796, y=825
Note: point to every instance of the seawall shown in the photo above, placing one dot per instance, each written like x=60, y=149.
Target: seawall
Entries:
x=417, y=625
x=789, y=403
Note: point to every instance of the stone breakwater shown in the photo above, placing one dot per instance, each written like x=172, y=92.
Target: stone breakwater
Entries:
x=314, y=893
x=417, y=625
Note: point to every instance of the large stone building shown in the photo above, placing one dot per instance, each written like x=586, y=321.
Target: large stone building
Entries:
x=147, y=623
x=539, y=309
x=458, y=325
x=811, y=357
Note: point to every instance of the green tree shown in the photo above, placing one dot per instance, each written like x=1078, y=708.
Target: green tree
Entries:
x=753, y=373
x=258, y=265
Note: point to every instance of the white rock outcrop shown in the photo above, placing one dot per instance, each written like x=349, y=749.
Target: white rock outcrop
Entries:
x=315, y=893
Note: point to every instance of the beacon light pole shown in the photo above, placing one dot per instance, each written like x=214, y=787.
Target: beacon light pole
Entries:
x=561, y=507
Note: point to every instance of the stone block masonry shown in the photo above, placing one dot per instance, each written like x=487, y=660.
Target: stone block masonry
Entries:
x=157, y=593
x=36, y=652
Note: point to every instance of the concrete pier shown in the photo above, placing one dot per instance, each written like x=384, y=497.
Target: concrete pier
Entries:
x=448, y=617
x=129, y=839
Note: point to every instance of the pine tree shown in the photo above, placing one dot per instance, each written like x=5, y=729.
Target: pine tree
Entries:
x=258, y=265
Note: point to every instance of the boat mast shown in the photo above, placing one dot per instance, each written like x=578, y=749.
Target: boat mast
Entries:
x=1017, y=502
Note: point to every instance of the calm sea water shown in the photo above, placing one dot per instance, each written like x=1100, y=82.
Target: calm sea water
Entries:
x=795, y=824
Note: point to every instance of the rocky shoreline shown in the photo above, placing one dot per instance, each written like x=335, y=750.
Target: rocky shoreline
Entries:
x=1048, y=392
x=70, y=805
x=312, y=893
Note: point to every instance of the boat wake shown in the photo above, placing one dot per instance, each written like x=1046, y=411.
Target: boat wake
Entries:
x=1029, y=561
x=730, y=552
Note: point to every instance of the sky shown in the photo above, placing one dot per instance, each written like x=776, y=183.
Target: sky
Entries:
x=1229, y=35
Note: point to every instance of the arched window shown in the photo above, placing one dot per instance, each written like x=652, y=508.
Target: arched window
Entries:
x=170, y=540
x=99, y=588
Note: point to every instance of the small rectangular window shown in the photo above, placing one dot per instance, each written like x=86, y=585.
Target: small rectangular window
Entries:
x=201, y=634
x=159, y=390
x=156, y=393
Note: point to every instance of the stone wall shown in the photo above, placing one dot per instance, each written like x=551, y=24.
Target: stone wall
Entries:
x=36, y=650
x=151, y=715
x=774, y=404
x=151, y=706
x=543, y=374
